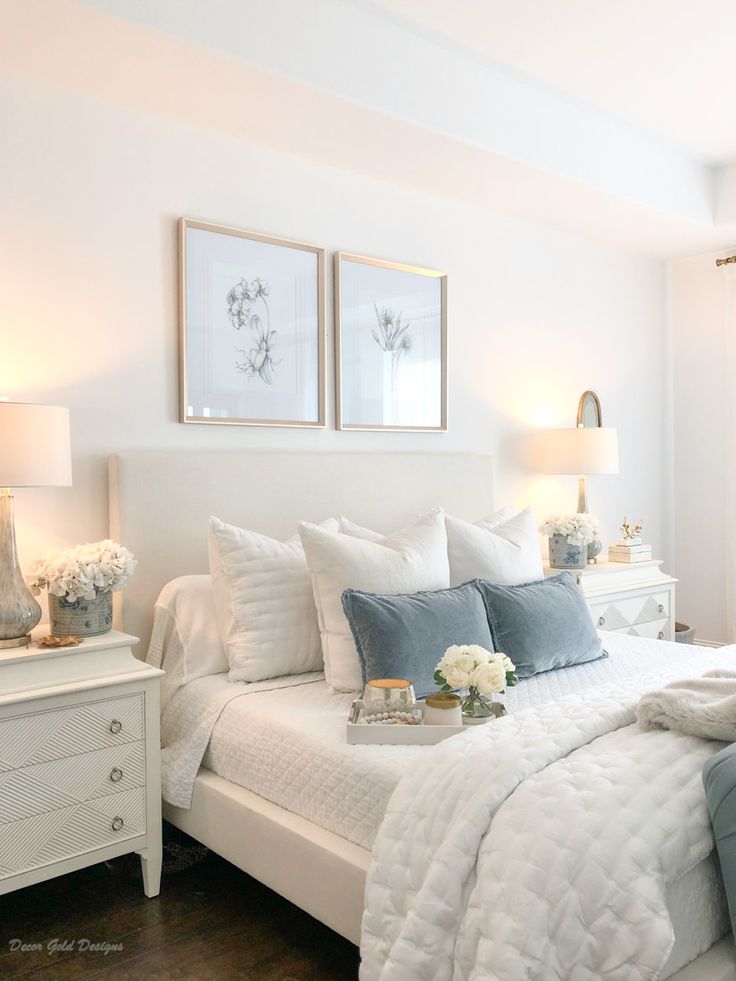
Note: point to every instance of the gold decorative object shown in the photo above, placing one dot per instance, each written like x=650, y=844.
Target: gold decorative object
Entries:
x=628, y=532
x=50, y=641
x=727, y=261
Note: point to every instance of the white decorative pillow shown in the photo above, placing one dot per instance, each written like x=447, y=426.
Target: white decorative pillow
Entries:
x=348, y=527
x=408, y=561
x=502, y=551
x=185, y=641
x=264, y=604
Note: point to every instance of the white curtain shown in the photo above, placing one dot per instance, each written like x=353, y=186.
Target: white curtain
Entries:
x=729, y=334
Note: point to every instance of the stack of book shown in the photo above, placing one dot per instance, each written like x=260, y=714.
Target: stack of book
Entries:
x=629, y=550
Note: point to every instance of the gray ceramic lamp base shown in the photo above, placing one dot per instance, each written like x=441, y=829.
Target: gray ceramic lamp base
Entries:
x=19, y=611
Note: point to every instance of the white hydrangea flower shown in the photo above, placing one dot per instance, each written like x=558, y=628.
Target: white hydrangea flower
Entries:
x=577, y=529
x=84, y=571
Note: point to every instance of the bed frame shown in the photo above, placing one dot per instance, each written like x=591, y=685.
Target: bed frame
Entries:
x=159, y=505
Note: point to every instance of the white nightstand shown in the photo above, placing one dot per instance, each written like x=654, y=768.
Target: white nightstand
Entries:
x=636, y=598
x=80, y=776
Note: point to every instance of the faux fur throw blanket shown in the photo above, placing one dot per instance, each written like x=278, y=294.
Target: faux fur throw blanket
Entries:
x=703, y=706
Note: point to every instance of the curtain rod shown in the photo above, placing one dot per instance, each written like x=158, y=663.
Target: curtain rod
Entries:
x=726, y=261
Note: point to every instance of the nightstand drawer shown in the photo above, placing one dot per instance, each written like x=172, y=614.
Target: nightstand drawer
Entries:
x=655, y=629
x=628, y=611
x=67, y=832
x=43, y=736
x=33, y=790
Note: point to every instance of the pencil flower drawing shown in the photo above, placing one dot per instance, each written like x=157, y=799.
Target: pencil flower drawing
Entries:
x=248, y=310
x=392, y=336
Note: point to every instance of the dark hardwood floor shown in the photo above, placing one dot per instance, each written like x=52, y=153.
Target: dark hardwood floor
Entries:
x=211, y=921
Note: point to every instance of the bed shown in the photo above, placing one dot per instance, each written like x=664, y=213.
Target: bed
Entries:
x=264, y=810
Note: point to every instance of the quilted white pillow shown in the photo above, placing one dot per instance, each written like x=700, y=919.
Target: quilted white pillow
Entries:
x=503, y=551
x=264, y=604
x=408, y=561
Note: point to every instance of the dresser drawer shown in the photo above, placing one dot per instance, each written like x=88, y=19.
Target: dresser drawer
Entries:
x=67, y=832
x=655, y=629
x=628, y=611
x=43, y=736
x=60, y=783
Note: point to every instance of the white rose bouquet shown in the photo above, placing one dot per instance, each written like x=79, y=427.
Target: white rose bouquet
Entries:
x=83, y=571
x=482, y=672
x=577, y=529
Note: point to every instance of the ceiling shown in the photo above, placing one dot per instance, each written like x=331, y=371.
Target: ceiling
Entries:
x=666, y=66
x=609, y=120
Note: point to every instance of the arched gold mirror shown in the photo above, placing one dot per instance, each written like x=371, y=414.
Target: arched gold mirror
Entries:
x=589, y=411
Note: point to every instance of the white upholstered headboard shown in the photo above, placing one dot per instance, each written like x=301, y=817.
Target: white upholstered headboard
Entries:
x=160, y=503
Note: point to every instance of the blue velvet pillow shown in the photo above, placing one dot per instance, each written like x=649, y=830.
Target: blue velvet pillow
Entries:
x=541, y=625
x=405, y=636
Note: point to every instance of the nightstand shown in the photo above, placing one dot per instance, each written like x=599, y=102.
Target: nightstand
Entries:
x=628, y=598
x=80, y=776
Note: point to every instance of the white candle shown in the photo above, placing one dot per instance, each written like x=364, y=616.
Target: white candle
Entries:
x=443, y=709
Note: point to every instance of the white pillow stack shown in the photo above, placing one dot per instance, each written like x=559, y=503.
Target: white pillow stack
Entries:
x=408, y=561
x=263, y=602
x=278, y=605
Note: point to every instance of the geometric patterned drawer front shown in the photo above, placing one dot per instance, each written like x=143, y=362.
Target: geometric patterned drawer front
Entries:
x=654, y=629
x=50, y=786
x=44, y=736
x=629, y=611
x=68, y=831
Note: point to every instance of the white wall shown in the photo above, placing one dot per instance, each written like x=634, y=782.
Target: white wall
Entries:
x=700, y=383
x=91, y=194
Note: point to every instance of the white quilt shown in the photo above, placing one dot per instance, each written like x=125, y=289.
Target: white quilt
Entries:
x=538, y=848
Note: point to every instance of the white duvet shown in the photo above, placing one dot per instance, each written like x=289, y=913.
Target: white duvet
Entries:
x=539, y=847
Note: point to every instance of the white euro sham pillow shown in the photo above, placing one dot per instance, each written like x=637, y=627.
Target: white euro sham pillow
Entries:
x=264, y=604
x=348, y=527
x=503, y=551
x=408, y=561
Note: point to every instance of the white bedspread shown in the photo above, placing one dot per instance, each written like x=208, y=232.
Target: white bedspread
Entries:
x=548, y=853
x=285, y=739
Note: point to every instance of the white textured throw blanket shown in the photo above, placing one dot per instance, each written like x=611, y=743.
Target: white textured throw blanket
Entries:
x=703, y=706
x=538, y=848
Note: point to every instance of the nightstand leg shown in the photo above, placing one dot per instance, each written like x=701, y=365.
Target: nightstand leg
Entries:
x=151, y=869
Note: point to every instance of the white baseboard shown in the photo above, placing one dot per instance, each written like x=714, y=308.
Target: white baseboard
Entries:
x=708, y=643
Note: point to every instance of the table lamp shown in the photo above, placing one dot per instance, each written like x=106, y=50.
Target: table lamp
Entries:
x=34, y=452
x=582, y=451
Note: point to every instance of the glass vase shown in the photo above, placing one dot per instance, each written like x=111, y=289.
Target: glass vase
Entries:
x=479, y=708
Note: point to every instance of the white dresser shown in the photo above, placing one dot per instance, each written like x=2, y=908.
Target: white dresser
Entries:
x=636, y=598
x=80, y=778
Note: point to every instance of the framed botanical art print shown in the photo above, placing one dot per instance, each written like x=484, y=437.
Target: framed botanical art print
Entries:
x=391, y=345
x=252, y=328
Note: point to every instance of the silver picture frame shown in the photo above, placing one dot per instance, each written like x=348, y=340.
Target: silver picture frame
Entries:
x=251, y=328
x=390, y=345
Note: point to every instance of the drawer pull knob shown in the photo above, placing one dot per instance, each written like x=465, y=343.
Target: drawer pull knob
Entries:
x=117, y=823
x=115, y=727
x=116, y=774
x=660, y=635
x=601, y=621
x=660, y=608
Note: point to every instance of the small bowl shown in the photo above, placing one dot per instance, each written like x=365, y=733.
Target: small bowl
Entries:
x=388, y=695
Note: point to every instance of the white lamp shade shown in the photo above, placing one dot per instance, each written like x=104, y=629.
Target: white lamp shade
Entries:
x=35, y=448
x=581, y=451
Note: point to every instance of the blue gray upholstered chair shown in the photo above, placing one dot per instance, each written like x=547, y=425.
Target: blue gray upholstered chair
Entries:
x=719, y=780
